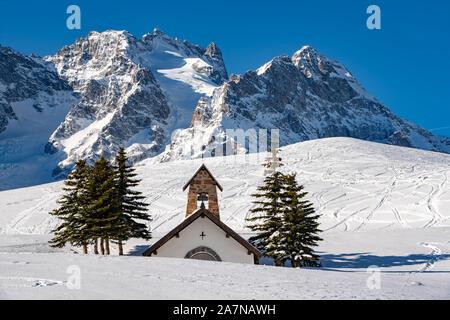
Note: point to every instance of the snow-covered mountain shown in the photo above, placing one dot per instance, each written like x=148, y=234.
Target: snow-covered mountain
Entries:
x=33, y=102
x=306, y=96
x=165, y=98
x=134, y=92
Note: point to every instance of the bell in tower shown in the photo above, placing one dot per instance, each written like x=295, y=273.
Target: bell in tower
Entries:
x=202, y=197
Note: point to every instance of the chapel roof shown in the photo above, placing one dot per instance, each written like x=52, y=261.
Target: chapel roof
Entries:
x=202, y=213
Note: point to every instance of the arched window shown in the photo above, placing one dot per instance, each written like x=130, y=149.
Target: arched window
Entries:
x=203, y=253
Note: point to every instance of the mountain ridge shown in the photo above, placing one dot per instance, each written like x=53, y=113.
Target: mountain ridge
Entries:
x=165, y=98
x=306, y=96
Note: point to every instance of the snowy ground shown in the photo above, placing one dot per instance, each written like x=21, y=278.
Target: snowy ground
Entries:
x=383, y=206
x=413, y=264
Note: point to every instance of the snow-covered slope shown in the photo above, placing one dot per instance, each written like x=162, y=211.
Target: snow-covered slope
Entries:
x=354, y=184
x=133, y=92
x=33, y=102
x=306, y=96
x=381, y=205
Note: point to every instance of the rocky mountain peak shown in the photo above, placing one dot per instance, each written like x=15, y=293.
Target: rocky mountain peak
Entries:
x=157, y=32
x=213, y=51
x=312, y=63
x=26, y=77
x=282, y=61
x=133, y=92
x=306, y=96
x=306, y=50
x=111, y=90
x=215, y=67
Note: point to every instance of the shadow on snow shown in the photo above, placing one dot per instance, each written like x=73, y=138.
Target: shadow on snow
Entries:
x=365, y=260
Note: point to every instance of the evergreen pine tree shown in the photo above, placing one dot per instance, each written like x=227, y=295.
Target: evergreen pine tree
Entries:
x=72, y=210
x=299, y=233
x=130, y=208
x=100, y=194
x=267, y=222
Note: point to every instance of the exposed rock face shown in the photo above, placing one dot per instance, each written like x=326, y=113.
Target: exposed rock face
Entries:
x=119, y=100
x=33, y=102
x=112, y=90
x=29, y=78
x=219, y=73
x=306, y=96
x=130, y=92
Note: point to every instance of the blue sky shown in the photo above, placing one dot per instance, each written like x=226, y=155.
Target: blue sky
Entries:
x=405, y=65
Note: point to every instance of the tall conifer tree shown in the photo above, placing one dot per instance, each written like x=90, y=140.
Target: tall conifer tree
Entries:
x=267, y=216
x=285, y=225
x=131, y=211
x=73, y=210
x=300, y=227
x=101, y=188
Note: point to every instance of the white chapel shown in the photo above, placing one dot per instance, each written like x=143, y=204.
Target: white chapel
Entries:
x=202, y=235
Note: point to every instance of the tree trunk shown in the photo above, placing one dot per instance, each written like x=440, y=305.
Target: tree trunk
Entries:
x=96, y=246
x=107, y=246
x=120, y=248
x=294, y=262
x=85, y=250
x=102, y=246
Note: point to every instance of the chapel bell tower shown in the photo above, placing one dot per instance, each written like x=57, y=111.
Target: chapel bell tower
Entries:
x=202, y=187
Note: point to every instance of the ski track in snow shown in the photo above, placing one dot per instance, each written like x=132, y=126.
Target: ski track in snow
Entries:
x=355, y=185
x=380, y=203
x=398, y=218
x=436, y=215
x=29, y=282
x=435, y=255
